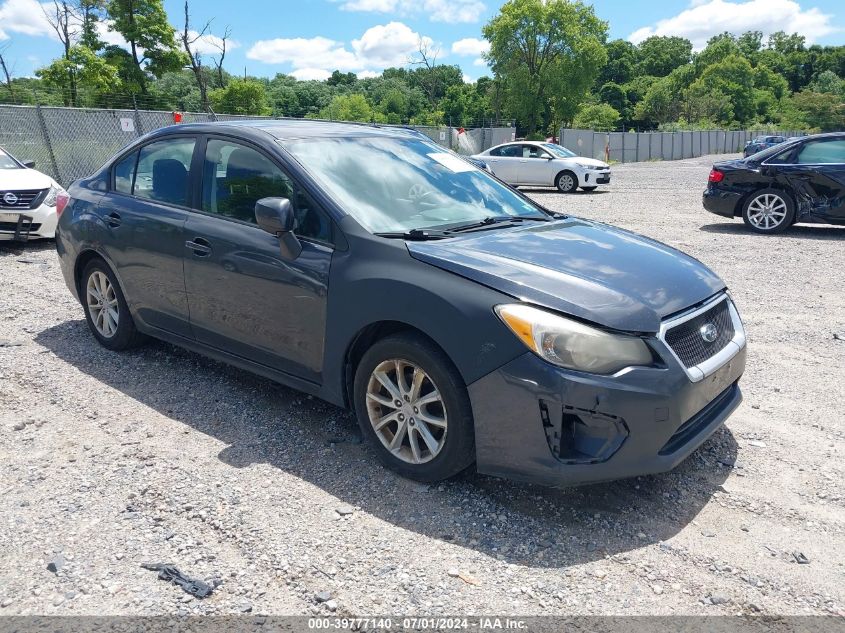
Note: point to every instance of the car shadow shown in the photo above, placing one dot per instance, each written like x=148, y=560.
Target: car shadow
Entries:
x=264, y=423
x=571, y=193
x=798, y=231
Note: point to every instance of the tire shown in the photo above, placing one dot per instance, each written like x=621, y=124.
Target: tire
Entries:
x=589, y=188
x=449, y=446
x=769, y=211
x=566, y=181
x=111, y=325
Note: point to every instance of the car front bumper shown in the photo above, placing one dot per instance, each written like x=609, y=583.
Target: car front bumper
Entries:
x=642, y=420
x=720, y=202
x=43, y=225
x=592, y=177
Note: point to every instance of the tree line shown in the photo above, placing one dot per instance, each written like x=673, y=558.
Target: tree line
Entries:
x=552, y=66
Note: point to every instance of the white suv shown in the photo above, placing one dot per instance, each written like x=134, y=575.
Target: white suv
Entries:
x=545, y=165
x=27, y=201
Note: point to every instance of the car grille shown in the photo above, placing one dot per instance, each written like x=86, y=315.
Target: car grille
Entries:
x=686, y=339
x=25, y=199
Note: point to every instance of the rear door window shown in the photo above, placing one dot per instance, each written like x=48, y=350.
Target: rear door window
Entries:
x=822, y=152
x=163, y=171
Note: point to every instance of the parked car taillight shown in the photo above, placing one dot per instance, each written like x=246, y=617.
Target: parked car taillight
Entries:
x=715, y=176
x=62, y=198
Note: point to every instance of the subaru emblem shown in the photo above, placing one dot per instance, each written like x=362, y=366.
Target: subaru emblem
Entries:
x=709, y=333
x=10, y=199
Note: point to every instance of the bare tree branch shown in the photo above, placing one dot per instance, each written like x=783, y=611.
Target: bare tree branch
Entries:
x=7, y=74
x=188, y=41
x=218, y=61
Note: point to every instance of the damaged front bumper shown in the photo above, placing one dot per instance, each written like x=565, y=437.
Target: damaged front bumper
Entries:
x=540, y=423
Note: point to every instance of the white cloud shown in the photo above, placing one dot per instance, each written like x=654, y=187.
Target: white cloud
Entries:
x=209, y=44
x=479, y=61
x=706, y=18
x=368, y=74
x=379, y=47
x=25, y=17
x=437, y=10
x=470, y=47
x=305, y=74
x=467, y=79
x=387, y=45
x=300, y=52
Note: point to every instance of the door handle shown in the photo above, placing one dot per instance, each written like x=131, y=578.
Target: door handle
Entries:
x=113, y=219
x=199, y=246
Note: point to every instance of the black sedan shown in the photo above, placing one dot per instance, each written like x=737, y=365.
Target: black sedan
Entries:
x=462, y=322
x=799, y=181
x=760, y=143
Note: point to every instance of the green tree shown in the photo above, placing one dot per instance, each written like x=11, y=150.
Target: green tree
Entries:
x=615, y=95
x=598, y=116
x=829, y=82
x=351, y=107
x=660, y=55
x=660, y=104
x=718, y=48
x=241, y=96
x=621, y=60
x=342, y=79
x=143, y=24
x=823, y=111
x=83, y=69
x=734, y=77
x=547, y=54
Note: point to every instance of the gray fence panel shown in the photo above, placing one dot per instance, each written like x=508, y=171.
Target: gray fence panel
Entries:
x=21, y=135
x=655, y=151
x=629, y=147
x=696, y=144
x=614, y=142
x=82, y=140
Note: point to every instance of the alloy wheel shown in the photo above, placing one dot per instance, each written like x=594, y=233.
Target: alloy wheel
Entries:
x=102, y=304
x=406, y=411
x=767, y=211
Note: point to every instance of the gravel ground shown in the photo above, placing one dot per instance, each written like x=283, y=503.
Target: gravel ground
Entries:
x=109, y=460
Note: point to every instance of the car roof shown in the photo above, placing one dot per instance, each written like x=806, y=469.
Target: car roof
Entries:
x=291, y=129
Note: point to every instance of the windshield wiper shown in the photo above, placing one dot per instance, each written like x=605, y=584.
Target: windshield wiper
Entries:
x=418, y=235
x=490, y=221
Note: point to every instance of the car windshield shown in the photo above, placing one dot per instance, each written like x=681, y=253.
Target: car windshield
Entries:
x=396, y=185
x=7, y=162
x=559, y=150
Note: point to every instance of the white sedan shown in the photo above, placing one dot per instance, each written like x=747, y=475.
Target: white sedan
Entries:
x=535, y=163
x=27, y=201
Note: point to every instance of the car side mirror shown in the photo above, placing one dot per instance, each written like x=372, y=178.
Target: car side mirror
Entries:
x=275, y=215
x=29, y=164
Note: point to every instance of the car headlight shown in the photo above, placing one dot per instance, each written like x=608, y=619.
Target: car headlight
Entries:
x=584, y=166
x=50, y=198
x=571, y=344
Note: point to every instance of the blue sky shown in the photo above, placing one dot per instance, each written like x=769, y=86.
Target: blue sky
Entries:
x=310, y=38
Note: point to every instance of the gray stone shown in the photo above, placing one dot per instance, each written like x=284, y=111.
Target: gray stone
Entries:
x=323, y=596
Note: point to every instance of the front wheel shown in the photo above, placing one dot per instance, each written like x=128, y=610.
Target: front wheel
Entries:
x=412, y=406
x=769, y=211
x=566, y=182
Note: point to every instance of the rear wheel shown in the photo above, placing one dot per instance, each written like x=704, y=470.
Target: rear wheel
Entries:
x=769, y=211
x=413, y=407
x=566, y=182
x=106, y=310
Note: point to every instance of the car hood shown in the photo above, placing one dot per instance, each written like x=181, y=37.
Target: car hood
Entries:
x=587, y=161
x=22, y=179
x=588, y=270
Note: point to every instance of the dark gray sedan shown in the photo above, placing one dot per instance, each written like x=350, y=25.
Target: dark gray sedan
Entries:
x=462, y=322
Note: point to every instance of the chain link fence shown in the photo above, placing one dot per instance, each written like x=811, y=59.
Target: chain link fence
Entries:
x=630, y=147
x=70, y=143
